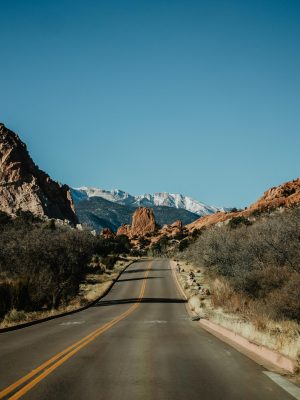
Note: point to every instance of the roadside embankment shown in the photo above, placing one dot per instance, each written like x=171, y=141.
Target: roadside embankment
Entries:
x=274, y=343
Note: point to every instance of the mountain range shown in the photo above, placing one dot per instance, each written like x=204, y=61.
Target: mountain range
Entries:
x=98, y=208
x=98, y=213
x=177, y=200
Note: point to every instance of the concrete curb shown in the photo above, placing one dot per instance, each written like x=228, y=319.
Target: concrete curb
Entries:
x=270, y=356
x=252, y=350
x=39, y=321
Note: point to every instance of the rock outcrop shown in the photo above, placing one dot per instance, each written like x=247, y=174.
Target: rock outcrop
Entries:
x=285, y=195
x=124, y=230
x=23, y=186
x=172, y=230
x=144, y=229
x=143, y=223
x=108, y=233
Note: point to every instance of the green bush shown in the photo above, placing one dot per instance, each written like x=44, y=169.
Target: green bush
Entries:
x=183, y=245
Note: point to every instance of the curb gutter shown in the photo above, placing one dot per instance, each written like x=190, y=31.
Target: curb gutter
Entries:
x=239, y=342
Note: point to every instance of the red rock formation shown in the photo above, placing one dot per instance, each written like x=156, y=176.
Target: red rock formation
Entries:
x=23, y=186
x=107, y=233
x=172, y=230
x=143, y=222
x=285, y=195
x=124, y=230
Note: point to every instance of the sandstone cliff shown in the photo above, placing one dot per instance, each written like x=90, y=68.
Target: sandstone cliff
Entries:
x=172, y=230
x=143, y=222
x=285, y=195
x=23, y=186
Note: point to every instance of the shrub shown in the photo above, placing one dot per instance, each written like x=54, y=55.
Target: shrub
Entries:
x=259, y=261
x=14, y=316
x=43, y=264
x=285, y=301
x=183, y=245
x=5, y=299
x=4, y=218
x=109, y=261
x=237, y=221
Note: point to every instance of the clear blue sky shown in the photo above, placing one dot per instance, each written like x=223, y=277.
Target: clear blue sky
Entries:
x=197, y=97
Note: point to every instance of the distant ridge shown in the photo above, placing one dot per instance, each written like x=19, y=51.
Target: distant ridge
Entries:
x=98, y=213
x=177, y=200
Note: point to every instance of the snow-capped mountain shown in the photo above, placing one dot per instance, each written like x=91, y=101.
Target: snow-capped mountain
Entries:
x=148, y=200
x=115, y=195
x=176, y=201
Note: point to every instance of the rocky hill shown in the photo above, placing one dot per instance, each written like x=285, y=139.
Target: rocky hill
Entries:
x=284, y=195
x=23, y=186
x=144, y=233
x=98, y=213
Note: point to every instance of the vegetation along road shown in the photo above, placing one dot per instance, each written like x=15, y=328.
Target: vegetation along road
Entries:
x=137, y=343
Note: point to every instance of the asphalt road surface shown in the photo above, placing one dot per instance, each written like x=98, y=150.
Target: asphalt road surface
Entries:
x=138, y=343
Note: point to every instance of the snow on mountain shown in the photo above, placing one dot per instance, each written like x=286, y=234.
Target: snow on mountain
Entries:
x=115, y=195
x=148, y=200
x=177, y=201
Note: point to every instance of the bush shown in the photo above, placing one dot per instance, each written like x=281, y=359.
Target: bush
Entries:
x=5, y=299
x=260, y=261
x=285, y=301
x=237, y=221
x=42, y=264
x=4, y=218
x=14, y=316
x=109, y=261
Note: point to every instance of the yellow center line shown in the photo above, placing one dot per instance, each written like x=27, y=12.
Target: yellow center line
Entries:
x=67, y=353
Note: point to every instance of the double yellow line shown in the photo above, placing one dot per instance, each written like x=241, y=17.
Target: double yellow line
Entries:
x=50, y=365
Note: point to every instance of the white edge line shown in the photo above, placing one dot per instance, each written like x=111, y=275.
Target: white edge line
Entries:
x=289, y=387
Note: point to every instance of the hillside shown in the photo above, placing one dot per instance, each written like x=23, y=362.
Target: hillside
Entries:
x=24, y=187
x=284, y=195
x=98, y=213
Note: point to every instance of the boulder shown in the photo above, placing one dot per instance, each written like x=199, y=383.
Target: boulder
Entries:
x=124, y=230
x=143, y=223
x=107, y=233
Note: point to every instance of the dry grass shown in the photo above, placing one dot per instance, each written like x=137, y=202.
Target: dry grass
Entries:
x=241, y=315
x=92, y=288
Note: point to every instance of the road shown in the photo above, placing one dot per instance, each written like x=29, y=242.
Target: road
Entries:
x=138, y=343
